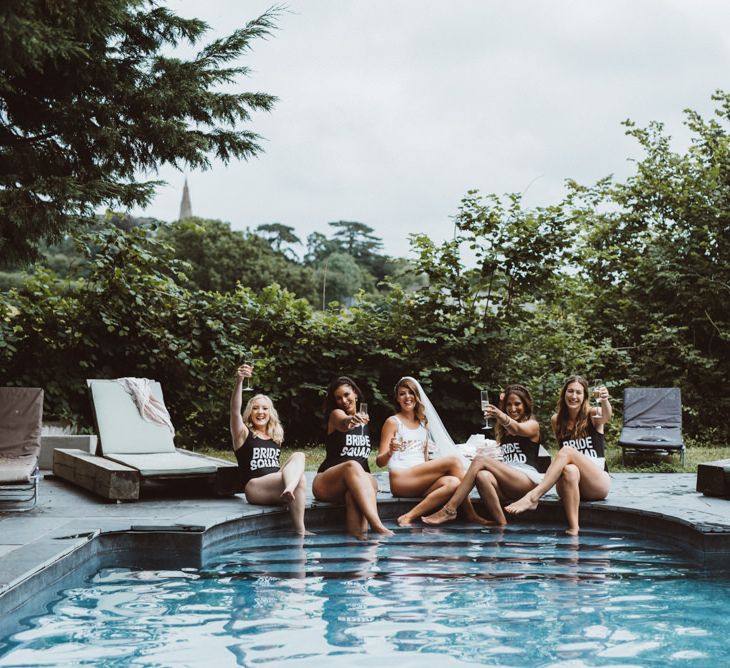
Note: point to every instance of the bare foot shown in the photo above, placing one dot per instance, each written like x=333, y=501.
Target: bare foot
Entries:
x=359, y=535
x=573, y=532
x=404, y=521
x=383, y=531
x=521, y=505
x=440, y=516
x=287, y=496
x=306, y=532
x=478, y=519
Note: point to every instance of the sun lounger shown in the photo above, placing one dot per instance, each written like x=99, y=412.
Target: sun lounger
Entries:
x=135, y=451
x=652, y=421
x=21, y=415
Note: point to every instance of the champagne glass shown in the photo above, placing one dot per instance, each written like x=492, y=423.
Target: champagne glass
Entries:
x=484, y=400
x=597, y=384
x=363, y=409
x=250, y=362
x=398, y=441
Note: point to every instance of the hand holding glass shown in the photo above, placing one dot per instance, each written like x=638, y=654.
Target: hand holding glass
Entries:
x=248, y=362
x=484, y=399
x=597, y=385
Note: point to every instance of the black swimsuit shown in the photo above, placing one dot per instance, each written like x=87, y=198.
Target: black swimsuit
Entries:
x=591, y=445
x=352, y=445
x=257, y=457
x=519, y=450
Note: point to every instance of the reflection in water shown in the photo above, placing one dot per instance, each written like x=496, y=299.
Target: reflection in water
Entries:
x=517, y=596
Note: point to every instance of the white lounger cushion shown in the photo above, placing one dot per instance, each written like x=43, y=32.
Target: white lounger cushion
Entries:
x=168, y=463
x=17, y=469
x=122, y=430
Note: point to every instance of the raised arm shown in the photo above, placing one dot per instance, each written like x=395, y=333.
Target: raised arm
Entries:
x=529, y=428
x=239, y=431
x=341, y=421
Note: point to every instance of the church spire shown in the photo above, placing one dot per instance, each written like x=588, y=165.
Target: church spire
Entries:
x=186, y=209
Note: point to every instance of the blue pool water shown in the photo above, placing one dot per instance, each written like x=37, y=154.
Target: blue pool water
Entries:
x=525, y=596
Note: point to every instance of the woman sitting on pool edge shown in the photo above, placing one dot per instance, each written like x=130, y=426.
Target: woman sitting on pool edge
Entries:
x=518, y=435
x=404, y=448
x=579, y=468
x=257, y=437
x=344, y=476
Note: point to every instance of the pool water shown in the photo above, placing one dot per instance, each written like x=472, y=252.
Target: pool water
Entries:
x=524, y=596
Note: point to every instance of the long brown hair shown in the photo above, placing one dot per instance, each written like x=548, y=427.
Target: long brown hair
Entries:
x=582, y=420
x=524, y=394
x=420, y=411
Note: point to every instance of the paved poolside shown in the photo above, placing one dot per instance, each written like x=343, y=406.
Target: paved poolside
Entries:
x=66, y=518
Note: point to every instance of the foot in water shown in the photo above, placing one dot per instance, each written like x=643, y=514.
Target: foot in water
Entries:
x=404, y=521
x=521, y=505
x=440, y=516
x=478, y=519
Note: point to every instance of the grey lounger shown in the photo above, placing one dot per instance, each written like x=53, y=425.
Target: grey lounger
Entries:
x=21, y=416
x=652, y=421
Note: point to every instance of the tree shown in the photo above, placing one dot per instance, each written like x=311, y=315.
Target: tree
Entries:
x=340, y=278
x=357, y=239
x=220, y=258
x=88, y=99
x=657, y=254
x=277, y=234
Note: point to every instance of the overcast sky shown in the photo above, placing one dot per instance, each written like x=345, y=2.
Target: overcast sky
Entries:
x=389, y=111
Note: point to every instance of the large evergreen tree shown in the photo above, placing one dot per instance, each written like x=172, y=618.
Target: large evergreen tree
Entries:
x=89, y=99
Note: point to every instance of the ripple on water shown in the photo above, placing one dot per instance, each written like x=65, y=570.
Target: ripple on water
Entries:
x=515, y=597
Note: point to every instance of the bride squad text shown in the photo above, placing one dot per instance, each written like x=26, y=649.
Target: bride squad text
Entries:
x=264, y=458
x=356, y=445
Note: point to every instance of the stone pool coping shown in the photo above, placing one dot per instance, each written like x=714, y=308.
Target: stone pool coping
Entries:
x=72, y=533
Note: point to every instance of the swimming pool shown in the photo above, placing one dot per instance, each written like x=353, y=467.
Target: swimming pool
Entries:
x=528, y=595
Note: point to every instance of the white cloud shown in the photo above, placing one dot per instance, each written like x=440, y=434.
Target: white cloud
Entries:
x=390, y=111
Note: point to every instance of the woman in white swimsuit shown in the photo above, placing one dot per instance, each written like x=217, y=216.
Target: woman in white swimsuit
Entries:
x=404, y=448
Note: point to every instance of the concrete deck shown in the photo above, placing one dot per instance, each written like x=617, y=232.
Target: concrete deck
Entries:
x=67, y=519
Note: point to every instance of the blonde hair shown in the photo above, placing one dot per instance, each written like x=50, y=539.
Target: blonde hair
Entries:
x=420, y=411
x=274, y=430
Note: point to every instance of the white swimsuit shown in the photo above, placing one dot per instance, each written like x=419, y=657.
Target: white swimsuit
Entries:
x=412, y=453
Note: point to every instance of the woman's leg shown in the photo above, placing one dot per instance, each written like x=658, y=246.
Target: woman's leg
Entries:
x=594, y=483
x=489, y=492
x=355, y=521
x=268, y=490
x=415, y=481
x=293, y=472
x=434, y=496
x=332, y=484
x=569, y=490
x=510, y=480
x=295, y=489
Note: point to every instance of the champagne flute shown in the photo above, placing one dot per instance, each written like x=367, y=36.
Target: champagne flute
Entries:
x=597, y=385
x=397, y=440
x=250, y=362
x=484, y=400
x=363, y=409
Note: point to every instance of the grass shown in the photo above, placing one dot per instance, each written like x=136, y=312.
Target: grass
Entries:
x=640, y=463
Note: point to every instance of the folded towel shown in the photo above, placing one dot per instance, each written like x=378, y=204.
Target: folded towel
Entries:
x=150, y=408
